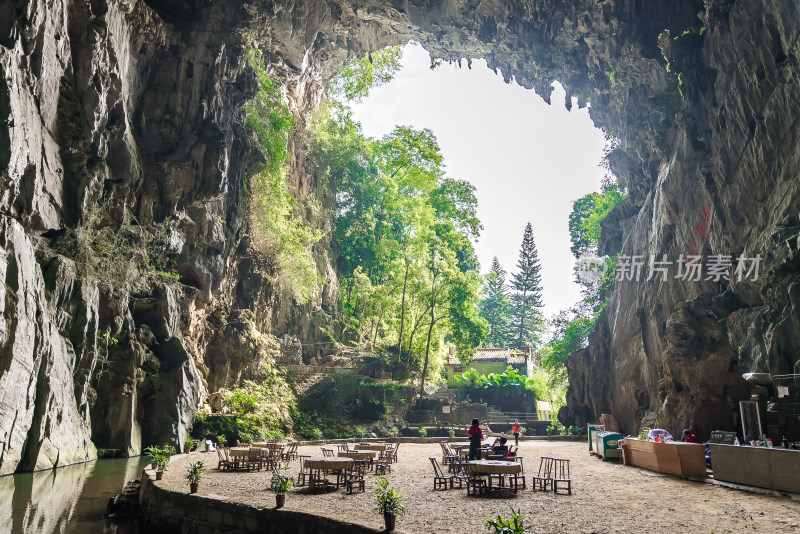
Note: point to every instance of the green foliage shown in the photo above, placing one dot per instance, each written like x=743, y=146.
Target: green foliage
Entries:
x=153, y=454
x=277, y=231
x=408, y=270
x=555, y=427
x=246, y=437
x=240, y=402
x=394, y=432
x=168, y=450
x=359, y=76
x=123, y=258
x=106, y=338
x=422, y=431
x=612, y=77
x=260, y=407
x=194, y=473
x=388, y=499
x=360, y=431
x=161, y=464
x=280, y=482
x=221, y=439
x=601, y=205
x=512, y=525
x=266, y=116
x=189, y=444
x=526, y=299
x=495, y=306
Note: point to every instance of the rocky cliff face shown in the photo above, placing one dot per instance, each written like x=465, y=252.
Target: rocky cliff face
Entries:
x=134, y=108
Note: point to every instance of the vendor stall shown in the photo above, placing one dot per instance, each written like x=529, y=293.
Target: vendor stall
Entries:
x=773, y=468
x=671, y=457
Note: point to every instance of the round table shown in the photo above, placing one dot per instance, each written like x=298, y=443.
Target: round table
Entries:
x=378, y=447
x=269, y=445
x=239, y=452
x=358, y=455
x=495, y=467
x=327, y=463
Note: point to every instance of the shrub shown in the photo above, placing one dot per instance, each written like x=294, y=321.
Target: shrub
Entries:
x=423, y=431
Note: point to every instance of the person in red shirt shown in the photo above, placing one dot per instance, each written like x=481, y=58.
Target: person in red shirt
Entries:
x=688, y=437
x=515, y=428
x=475, y=437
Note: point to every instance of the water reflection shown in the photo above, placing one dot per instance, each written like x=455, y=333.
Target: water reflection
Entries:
x=66, y=500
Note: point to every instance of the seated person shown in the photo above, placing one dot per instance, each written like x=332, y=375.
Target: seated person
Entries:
x=688, y=437
x=499, y=446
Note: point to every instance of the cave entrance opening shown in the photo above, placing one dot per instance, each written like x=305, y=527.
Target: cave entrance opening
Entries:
x=528, y=160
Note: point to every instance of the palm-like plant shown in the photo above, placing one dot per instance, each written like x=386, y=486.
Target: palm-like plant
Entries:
x=513, y=525
x=194, y=473
x=388, y=499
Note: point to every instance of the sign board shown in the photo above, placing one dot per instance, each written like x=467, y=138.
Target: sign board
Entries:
x=445, y=409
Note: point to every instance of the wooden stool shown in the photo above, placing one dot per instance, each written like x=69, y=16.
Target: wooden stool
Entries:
x=561, y=475
x=544, y=478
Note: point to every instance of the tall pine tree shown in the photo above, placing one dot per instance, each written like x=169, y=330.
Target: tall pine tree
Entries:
x=495, y=306
x=526, y=300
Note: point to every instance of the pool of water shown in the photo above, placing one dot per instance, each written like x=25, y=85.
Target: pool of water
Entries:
x=69, y=499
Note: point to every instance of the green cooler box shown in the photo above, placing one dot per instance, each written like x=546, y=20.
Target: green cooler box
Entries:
x=606, y=444
x=591, y=429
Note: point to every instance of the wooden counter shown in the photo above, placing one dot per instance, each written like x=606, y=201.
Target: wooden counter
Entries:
x=775, y=468
x=674, y=458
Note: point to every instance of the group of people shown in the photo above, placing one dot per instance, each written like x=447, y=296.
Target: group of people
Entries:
x=499, y=446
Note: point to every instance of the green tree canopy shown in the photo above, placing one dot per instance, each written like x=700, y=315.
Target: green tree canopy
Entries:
x=495, y=306
x=526, y=299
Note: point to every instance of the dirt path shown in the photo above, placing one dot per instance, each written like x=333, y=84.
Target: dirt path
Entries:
x=606, y=497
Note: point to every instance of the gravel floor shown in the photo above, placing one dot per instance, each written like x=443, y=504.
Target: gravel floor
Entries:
x=606, y=497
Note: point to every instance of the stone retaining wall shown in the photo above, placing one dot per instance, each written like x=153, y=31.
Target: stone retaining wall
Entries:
x=166, y=511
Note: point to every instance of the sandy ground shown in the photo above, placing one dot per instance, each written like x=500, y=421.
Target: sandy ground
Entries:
x=606, y=497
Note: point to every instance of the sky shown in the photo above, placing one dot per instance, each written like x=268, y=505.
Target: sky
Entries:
x=528, y=160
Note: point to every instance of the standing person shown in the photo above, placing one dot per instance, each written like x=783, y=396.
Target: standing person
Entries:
x=515, y=428
x=475, y=437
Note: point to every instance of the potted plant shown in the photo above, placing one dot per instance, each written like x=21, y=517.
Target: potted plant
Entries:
x=522, y=430
x=193, y=476
x=512, y=525
x=168, y=451
x=153, y=454
x=279, y=485
x=423, y=431
x=221, y=440
x=554, y=428
x=388, y=503
x=360, y=431
x=246, y=437
x=189, y=444
x=394, y=432
x=161, y=466
x=452, y=432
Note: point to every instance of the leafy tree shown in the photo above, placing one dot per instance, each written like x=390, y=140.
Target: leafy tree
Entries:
x=402, y=235
x=359, y=76
x=495, y=306
x=526, y=300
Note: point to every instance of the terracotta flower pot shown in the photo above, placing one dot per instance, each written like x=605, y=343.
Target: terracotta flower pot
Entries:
x=193, y=487
x=280, y=500
x=159, y=475
x=389, y=520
